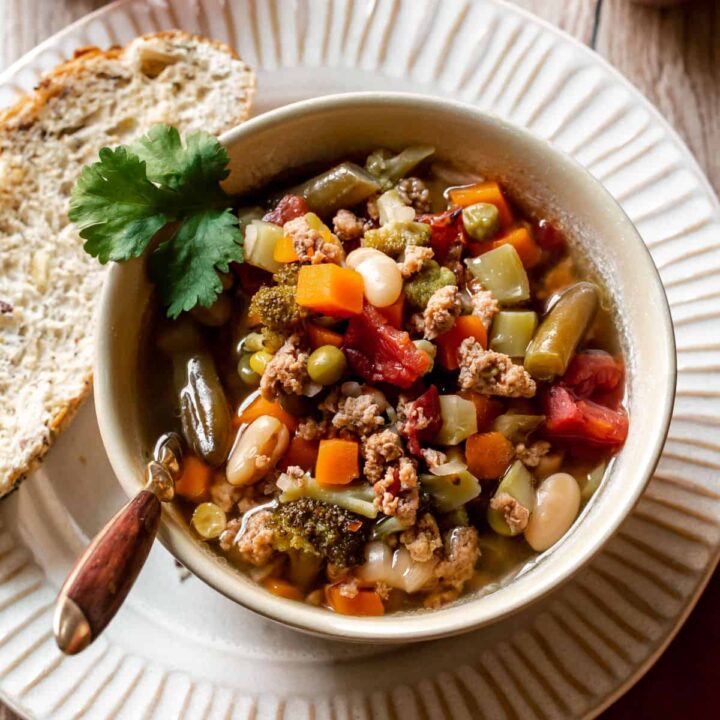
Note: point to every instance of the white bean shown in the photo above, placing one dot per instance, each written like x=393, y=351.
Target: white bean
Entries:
x=382, y=280
x=556, y=507
x=257, y=450
x=360, y=255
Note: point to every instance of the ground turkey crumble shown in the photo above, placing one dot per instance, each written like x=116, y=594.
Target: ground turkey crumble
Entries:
x=461, y=553
x=531, y=455
x=379, y=451
x=413, y=259
x=423, y=539
x=492, y=373
x=397, y=493
x=516, y=515
x=484, y=303
x=287, y=371
x=442, y=309
x=361, y=415
x=348, y=226
x=310, y=245
x=254, y=542
x=433, y=458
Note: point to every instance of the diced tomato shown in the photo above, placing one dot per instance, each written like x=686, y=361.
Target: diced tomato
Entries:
x=571, y=418
x=548, y=237
x=379, y=352
x=289, y=208
x=593, y=371
x=446, y=228
x=423, y=420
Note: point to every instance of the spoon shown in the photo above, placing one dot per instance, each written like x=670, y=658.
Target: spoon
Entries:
x=102, y=576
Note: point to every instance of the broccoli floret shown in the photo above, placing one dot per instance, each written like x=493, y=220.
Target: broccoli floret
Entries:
x=393, y=238
x=275, y=307
x=315, y=527
x=287, y=274
x=272, y=340
x=432, y=277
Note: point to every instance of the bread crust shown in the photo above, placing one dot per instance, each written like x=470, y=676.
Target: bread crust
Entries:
x=14, y=124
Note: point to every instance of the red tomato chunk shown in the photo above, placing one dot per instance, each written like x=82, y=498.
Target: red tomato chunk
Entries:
x=378, y=352
x=446, y=228
x=289, y=208
x=593, y=371
x=567, y=416
x=423, y=420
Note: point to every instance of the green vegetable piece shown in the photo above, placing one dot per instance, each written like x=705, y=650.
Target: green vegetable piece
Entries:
x=122, y=201
x=394, y=237
x=389, y=168
x=204, y=410
x=481, y=221
x=209, y=520
x=276, y=308
x=391, y=207
x=272, y=339
x=386, y=526
x=515, y=427
x=326, y=365
x=260, y=239
x=459, y=420
x=450, y=492
x=501, y=271
x=246, y=373
x=287, y=274
x=561, y=330
x=343, y=186
x=432, y=277
x=512, y=331
x=355, y=498
x=315, y=527
x=517, y=483
x=592, y=482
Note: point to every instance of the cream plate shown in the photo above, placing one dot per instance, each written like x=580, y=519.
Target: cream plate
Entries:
x=178, y=649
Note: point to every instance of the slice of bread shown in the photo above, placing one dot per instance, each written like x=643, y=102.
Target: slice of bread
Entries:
x=49, y=287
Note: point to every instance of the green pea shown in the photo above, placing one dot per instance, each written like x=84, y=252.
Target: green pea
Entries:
x=259, y=360
x=246, y=373
x=481, y=221
x=326, y=365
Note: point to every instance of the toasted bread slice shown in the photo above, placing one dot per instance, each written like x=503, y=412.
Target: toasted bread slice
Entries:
x=49, y=287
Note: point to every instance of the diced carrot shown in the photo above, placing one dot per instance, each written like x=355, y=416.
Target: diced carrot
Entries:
x=522, y=240
x=394, y=313
x=330, y=289
x=485, y=192
x=284, y=250
x=282, y=588
x=448, y=343
x=486, y=408
x=366, y=602
x=488, y=455
x=194, y=483
x=260, y=406
x=300, y=452
x=337, y=462
x=320, y=336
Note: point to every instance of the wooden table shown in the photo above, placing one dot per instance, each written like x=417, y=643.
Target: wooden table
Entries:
x=673, y=56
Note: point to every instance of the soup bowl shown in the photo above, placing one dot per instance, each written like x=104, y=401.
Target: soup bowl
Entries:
x=544, y=180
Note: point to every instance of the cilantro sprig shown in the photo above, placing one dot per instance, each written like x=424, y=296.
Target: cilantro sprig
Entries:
x=121, y=202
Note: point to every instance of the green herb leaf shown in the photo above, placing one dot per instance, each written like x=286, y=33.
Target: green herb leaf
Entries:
x=121, y=202
x=116, y=208
x=184, y=268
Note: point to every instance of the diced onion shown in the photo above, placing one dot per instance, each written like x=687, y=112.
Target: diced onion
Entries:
x=451, y=467
x=396, y=569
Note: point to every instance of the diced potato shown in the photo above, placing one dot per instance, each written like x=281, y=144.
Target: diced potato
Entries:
x=512, y=331
x=501, y=271
x=459, y=420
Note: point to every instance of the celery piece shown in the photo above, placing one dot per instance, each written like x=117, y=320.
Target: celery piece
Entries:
x=512, y=331
x=355, y=498
x=389, y=168
x=387, y=526
x=501, y=271
x=518, y=483
x=561, y=330
x=459, y=420
x=516, y=427
x=343, y=186
x=260, y=239
x=450, y=492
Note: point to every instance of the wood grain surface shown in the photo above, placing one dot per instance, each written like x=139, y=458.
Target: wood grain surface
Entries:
x=673, y=56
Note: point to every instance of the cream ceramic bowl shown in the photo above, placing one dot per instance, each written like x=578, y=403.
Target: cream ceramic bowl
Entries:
x=330, y=128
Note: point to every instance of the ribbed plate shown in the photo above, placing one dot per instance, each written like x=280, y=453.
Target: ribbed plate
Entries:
x=179, y=650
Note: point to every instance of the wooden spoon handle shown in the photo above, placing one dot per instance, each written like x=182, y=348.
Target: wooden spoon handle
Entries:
x=103, y=575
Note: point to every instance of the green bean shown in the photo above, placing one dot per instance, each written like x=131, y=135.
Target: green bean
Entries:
x=518, y=484
x=501, y=271
x=561, y=330
x=389, y=168
x=343, y=186
x=481, y=221
x=450, y=492
x=204, y=410
x=512, y=331
x=516, y=428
